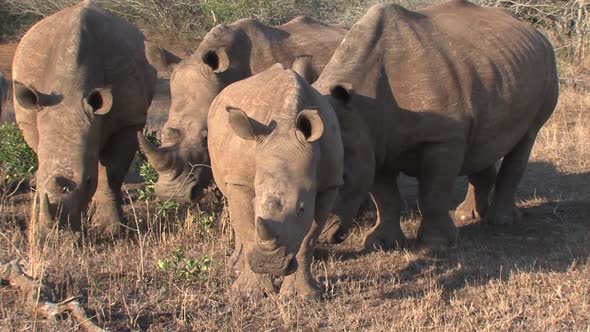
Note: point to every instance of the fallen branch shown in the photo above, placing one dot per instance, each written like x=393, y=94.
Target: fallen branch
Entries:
x=36, y=298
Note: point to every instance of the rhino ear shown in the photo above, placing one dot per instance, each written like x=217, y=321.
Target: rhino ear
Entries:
x=342, y=92
x=100, y=100
x=240, y=123
x=31, y=99
x=310, y=124
x=217, y=59
x=159, y=58
x=246, y=127
x=302, y=66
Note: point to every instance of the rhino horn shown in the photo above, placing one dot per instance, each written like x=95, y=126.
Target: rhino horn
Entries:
x=265, y=235
x=159, y=159
x=45, y=217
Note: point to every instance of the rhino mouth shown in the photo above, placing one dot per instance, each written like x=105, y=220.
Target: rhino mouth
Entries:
x=272, y=262
x=334, y=232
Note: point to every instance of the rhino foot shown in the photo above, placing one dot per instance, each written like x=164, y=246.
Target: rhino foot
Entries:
x=467, y=212
x=305, y=288
x=252, y=285
x=384, y=240
x=107, y=220
x=509, y=217
x=438, y=237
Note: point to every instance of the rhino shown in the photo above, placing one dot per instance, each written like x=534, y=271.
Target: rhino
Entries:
x=82, y=87
x=276, y=155
x=228, y=53
x=445, y=91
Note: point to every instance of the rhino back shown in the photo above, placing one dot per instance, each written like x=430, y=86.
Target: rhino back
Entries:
x=262, y=45
x=84, y=47
x=477, y=68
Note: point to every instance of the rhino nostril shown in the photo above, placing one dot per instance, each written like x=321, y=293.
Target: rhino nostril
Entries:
x=172, y=135
x=195, y=193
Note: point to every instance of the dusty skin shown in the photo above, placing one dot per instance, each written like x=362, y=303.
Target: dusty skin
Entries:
x=433, y=95
x=82, y=87
x=228, y=53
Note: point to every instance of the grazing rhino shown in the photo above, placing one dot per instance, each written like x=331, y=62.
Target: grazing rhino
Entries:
x=276, y=155
x=441, y=92
x=227, y=54
x=82, y=87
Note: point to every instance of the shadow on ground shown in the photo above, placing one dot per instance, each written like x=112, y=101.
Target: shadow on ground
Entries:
x=554, y=236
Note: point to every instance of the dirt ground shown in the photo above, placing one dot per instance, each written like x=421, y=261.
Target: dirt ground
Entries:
x=531, y=276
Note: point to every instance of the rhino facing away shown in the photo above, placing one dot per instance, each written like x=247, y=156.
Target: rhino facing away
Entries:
x=228, y=53
x=82, y=87
x=441, y=92
x=276, y=155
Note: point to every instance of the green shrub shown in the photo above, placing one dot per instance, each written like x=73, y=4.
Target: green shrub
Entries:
x=17, y=160
x=146, y=171
x=183, y=267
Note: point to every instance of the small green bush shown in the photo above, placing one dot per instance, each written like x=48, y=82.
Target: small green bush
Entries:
x=146, y=171
x=183, y=267
x=17, y=160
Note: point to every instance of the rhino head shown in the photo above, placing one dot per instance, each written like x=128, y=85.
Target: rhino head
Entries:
x=285, y=186
x=182, y=162
x=67, y=141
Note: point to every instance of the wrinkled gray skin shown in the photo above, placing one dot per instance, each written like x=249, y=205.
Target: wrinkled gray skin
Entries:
x=276, y=155
x=82, y=87
x=445, y=91
x=227, y=54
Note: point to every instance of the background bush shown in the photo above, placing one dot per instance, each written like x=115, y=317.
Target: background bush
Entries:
x=186, y=21
x=17, y=160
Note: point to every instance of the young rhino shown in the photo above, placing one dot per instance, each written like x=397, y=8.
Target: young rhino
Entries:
x=82, y=87
x=276, y=155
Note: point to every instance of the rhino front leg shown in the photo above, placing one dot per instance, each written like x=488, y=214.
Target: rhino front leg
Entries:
x=241, y=214
x=115, y=160
x=302, y=282
x=386, y=233
x=440, y=164
x=477, y=199
x=503, y=209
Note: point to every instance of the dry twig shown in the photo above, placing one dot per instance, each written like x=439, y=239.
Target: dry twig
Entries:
x=36, y=299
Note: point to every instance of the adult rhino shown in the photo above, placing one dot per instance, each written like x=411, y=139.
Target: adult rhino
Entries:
x=276, y=155
x=441, y=92
x=82, y=87
x=227, y=54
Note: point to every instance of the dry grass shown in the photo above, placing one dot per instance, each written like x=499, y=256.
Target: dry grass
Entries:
x=531, y=276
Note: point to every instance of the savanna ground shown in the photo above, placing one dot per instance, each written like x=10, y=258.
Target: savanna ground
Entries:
x=170, y=273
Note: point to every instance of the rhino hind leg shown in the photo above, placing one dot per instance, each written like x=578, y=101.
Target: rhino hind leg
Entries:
x=115, y=160
x=387, y=233
x=302, y=283
x=476, y=202
x=503, y=209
